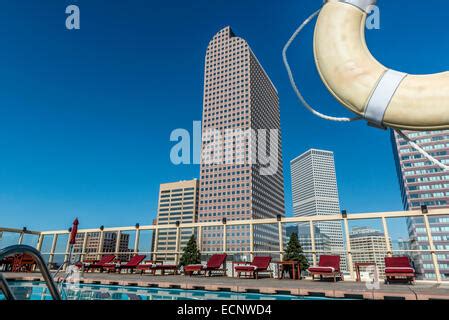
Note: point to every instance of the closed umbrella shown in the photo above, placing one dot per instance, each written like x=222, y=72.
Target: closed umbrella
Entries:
x=72, y=240
x=74, y=231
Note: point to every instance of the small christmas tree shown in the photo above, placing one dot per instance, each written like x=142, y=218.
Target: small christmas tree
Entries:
x=294, y=252
x=191, y=254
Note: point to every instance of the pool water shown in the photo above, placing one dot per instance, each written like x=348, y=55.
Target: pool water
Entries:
x=38, y=291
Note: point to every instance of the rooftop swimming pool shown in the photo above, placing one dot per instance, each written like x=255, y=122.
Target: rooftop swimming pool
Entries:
x=38, y=291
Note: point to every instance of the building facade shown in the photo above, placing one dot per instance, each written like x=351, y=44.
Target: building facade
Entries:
x=369, y=245
x=423, y=183
x=403, y=246
x=93, y=241
x=178, y=202
x=322, y=241
x=315, y=193
x=240, y=104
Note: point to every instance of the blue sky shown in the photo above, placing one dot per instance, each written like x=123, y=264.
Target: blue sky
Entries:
x=86, y=116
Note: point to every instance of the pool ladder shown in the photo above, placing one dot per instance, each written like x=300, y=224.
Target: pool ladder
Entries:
x=22, y=249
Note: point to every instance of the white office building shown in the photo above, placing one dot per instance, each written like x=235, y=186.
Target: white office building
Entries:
x=315, y=192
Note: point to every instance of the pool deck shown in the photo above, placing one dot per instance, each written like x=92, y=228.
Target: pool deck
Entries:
x=346, y=289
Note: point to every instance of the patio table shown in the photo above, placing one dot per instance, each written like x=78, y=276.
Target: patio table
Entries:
x=294, y=265
x=362, y=264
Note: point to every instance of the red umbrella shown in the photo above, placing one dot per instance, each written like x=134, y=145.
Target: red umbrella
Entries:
x=74, y=232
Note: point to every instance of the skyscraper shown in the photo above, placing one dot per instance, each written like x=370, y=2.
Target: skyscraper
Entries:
x=423, y=183
x=239, y=100
x=315, y=192
x=178, y=202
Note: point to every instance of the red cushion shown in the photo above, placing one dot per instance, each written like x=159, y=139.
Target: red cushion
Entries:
x=393, y=270
x=135, y=261
x=193, y=268
x=261, y=262
x=166, y=266
x=322, y=269
x=330, y=261
x=245, y=268
x=397, y=262
x=105, y=259
x=216, y=261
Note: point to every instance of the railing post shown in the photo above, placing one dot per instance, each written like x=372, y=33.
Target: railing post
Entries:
x=156, y=240
x=53, y=248
x=312, y=242
x=177, y=244
x=117, y=244
x=432, y=248
x=136, y=242
x=281, y=241
x=40, y=242
x=348, y=248
x=200, y=240
x=83, y=250
x=251, y=240
x=224, y=238
x=20, y=241
x=100, y=245
x=66, y=256
x=387, y=237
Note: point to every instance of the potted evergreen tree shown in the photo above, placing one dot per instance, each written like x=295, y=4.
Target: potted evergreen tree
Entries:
x=294, y=252
x=191, y=254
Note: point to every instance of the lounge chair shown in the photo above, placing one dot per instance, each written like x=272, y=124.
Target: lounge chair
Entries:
x=106, y=259
x=213, y=265
x=164, y=268
x=258, y=265
x=23, y=263
x=154, y=266
x=130, y=265
x=397, y=268
x=329, y=267
x=147, y=266
x=6, y=264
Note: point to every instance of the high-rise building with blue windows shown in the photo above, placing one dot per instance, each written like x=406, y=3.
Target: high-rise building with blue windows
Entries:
x=423, y=183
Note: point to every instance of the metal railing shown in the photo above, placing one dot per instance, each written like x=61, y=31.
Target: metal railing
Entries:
x=280, y=222
x=4, y=287
x=35, y=254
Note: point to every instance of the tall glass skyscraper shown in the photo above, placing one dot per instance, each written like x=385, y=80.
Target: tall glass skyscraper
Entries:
x=423, y=183
x=315, y=192
x=239, y=98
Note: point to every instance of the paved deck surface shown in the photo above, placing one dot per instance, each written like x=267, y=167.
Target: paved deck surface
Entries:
x=346, y=289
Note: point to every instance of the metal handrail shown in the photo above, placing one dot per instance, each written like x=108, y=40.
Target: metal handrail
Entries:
x=22, y=249
x=4, y=287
